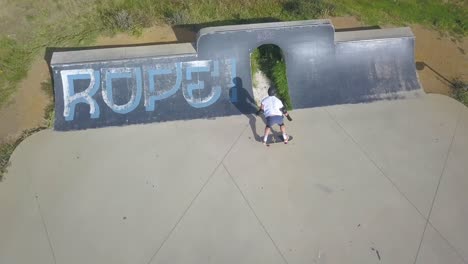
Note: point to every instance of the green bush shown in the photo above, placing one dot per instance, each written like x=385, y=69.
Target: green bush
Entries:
x=450, y=16
x=123, y=16
x=269, y=59
x=14, y=61
x=460, y=90
x=307, y=9
x=6, y=149
x=49, y=111
x=281, y=81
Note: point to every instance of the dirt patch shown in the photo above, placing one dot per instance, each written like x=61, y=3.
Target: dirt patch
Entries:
x=346, y=22
x=26, y=110
x=155, y=34
x=439, y=58
x=261, y=83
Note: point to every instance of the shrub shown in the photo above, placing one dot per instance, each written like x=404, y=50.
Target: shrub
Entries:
x=6, y=149
x=269, y=59
x=14, y=60
x=49, y=111
x=307, y=9
x=281, y=81
x=460, y=90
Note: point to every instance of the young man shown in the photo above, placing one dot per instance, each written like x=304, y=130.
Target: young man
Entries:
x=273, y=109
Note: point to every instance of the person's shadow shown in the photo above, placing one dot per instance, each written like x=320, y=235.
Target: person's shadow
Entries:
x=244, y=102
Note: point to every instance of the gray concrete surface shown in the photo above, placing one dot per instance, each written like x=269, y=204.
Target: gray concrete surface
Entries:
x=382, y=182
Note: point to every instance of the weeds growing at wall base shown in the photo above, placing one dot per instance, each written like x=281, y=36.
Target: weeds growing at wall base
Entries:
x=460, y=90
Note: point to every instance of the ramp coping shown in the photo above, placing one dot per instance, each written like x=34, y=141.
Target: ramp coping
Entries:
x=271, y=25
x=122, y=53
x=373, y=34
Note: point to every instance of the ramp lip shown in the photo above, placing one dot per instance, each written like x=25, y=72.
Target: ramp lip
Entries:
x=123, y=53
x=260, y=26
x=113, y=60
x=373, y=34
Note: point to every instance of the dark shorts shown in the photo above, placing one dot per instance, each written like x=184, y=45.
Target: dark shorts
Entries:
x=274, y=120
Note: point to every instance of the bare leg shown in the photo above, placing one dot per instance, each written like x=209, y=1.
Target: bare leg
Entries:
x=283, y=129
x=265, y=136
x=285, y=136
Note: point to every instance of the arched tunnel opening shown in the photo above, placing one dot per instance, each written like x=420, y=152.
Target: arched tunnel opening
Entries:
x=268, y=68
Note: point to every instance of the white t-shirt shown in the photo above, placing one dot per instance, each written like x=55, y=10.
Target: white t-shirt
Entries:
x=272, y=106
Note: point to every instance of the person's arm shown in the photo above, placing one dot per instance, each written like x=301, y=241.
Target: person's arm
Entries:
x=285, y=112
x=260, y=111
x=287, y=115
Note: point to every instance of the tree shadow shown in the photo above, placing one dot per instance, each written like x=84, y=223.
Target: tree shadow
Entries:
x=420, y=65
x=357, y=28
x=245, y=103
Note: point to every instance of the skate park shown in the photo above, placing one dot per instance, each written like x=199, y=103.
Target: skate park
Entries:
x=376, y=172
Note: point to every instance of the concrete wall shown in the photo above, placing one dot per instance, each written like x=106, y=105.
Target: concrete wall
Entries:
x=119, y=86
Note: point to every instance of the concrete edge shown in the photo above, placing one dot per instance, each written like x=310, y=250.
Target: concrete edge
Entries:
x=373, y=34
x=122, y=53
x=271, y=25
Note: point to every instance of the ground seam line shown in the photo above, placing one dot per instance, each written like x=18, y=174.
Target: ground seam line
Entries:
x=45, y=228
x=443, y=170
x=448, y=242
x=375, y=164
x=256, y=216
x=196, y=196
x=437, y=189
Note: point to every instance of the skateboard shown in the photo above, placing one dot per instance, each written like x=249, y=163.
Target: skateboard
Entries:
x=278, y=139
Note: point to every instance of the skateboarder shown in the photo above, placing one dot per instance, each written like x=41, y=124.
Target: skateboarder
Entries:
x=274, y=110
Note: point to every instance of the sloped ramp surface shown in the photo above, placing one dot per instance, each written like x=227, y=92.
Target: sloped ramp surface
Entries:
x=212, y=78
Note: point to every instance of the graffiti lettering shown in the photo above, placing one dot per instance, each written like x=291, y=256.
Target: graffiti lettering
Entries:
x=134, y=84
x=152, y=83
x=71, y=98
x=198, y=101
x=151, y=95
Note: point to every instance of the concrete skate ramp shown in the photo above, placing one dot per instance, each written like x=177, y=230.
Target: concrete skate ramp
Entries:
x=119, y=86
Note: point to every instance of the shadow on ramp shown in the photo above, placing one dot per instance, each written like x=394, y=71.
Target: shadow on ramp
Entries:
x=246, y=105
